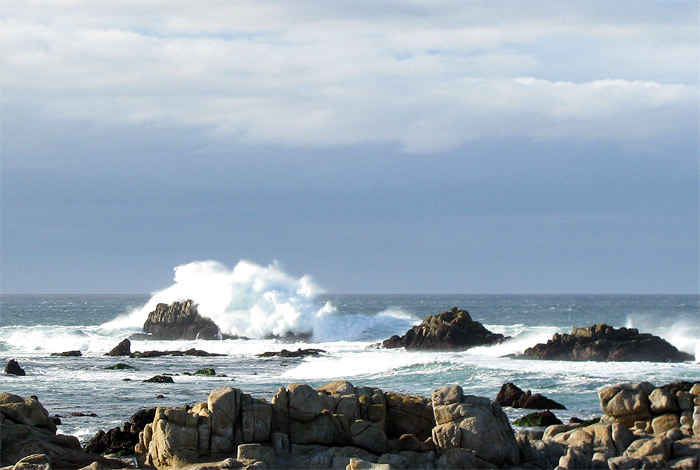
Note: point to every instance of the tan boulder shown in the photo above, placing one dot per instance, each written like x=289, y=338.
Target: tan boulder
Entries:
x=338, y=387
x=664, y=423
x=474, y=423
x=304, y=403
x=663, y=401
x=627, y=403
x=409, y=414
x=370, y=436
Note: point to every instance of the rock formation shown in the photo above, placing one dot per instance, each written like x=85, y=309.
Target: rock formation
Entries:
x=292, y=354
x=180, y=320
x=121, y=349
x=28, y=430
x=511, y=395
x=604, y=343
x=121, y=440
x=13, y=368
x=453, y=330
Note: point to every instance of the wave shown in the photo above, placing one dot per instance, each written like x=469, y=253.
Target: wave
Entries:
x=261, y=302
x=683, y=333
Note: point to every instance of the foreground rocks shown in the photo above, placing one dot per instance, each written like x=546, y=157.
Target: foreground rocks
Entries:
x=453, y=330
x=604, y=343
x=122, y=440
x=341, y=426
x=180, y=320
x=28, y=430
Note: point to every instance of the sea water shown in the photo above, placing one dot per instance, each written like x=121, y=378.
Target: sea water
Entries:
x=260, y=301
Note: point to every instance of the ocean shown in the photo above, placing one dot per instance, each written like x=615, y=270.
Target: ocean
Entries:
x=345, y=326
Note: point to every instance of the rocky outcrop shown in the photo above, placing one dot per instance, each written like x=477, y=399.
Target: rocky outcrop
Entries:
x=643, y=427
x=604, y=343
x=122, y=440
x=121, y=349
x=538, y=419
x=511, y=395
x=188, y=352
x=453, y=330
x=29, y=434
x=74, y=353
x=180, y=320
x=13, y=368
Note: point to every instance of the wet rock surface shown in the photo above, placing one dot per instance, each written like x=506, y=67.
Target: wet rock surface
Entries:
x=448, y=331
x=604, y=343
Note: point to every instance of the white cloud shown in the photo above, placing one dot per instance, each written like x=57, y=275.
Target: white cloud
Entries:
x=425, y=76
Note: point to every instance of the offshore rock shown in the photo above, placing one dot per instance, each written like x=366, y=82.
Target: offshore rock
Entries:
x=121, y=349
x=180, y=320
x=13, y=368
x=511, y=395
x=453, y=330
x=604, y=343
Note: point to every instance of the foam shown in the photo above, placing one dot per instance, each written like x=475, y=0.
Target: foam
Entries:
x=262, y=301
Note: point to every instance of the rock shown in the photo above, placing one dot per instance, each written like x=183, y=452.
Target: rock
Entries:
x=369, y=436
x=161, y=379
x=33, y=462
x=604, y=343
x=304, y=403
x=13, y=368
x=359, y=464
x=457, y=458
x=474, y=423
x=189, y=352
x=27, y=430
x=453, y=330
x=291, y=354
x=338, y=387
x=662, y=401
x=409, y=414
x=256, y=452
x=121, y=349
x=511, y=395
x=68, y=354
x=664, y=423
x=180, y=320
x=205, y=371
x=627, y=403
x=539, y=418
x=119, y=366
x=123, y=440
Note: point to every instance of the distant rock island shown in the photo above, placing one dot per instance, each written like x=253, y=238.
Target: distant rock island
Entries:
x=452, y=330
x=604, y=343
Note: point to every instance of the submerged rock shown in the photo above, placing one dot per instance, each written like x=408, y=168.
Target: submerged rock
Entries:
x=453, y=330
x=188, y=352
x=13, y=368
x=68, y=354
x=604, y=343
x=160, y=379
x=180, y=320
x=298, y=353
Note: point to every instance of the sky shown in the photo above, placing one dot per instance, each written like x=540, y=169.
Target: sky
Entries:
x=376, y=146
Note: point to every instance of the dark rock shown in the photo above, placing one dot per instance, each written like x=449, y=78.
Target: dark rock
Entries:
x=584, y=422
x=68, y=354
x=676, y=387
x=511, y=395
x=453, y=330
x=121, y=441
x=141, y=418
x=56, y=420
x=13, y=368
x=78, y=414
x=160, y=379
x=205, y=371
x=180, y=320
x=298, y=353
x=121, y=349
x=538, y=418
x=119, y=366
x=189, y=352
x=604, y=343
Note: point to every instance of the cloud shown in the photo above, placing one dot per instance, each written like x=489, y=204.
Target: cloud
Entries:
x=425, y=77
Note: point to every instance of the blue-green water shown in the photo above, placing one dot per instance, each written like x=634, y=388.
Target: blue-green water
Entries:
x=34, y=326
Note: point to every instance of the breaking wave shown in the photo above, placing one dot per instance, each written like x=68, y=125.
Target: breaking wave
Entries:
x=260, y=302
